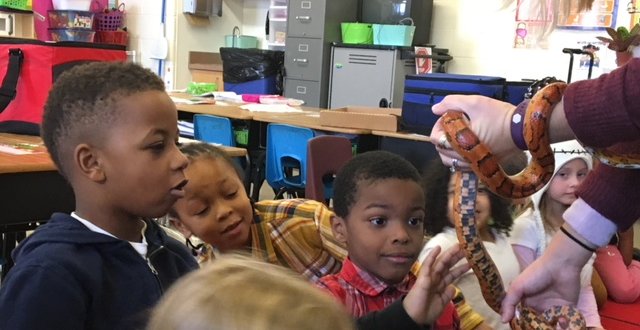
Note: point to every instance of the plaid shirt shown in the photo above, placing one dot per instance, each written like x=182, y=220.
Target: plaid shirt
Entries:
x=363, y=293
x=294, y=233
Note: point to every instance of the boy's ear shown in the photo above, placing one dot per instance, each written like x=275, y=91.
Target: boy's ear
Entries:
x=177, y=224
x=339, y=229
x=88, y=162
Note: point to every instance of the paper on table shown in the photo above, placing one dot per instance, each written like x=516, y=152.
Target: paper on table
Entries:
x=180, y=100
x=278, y=108
x=22, y=148
x=184, y=140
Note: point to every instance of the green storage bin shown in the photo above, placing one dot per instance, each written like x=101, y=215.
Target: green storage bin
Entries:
x=393, y=35
x=242, y=136
x=357, y=33
x=240, y=41
x=16, y=4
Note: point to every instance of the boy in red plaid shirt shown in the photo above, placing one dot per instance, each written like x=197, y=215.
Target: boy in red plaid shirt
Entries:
x=379, y=206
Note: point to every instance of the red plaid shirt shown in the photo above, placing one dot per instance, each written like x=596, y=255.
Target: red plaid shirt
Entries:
x=362, y=293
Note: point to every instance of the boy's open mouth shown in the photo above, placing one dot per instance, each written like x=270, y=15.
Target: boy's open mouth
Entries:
x=177, y=190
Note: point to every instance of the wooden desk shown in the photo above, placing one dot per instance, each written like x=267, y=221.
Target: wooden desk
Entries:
x=31, y=189
x=403, y=135
x=309, y=119
x=229, y=111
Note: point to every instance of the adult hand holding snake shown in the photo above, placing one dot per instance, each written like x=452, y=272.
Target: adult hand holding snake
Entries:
x=556, y=304
x=490, y=120
x=601, y=112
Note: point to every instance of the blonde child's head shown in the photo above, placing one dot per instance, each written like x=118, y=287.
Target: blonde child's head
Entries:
x=238, y=292
x=572, y=164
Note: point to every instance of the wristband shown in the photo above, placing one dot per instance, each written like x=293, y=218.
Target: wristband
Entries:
x=517, y=125
x=585, y=246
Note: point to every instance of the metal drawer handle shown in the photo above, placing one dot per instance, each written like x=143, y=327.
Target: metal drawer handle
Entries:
x=301, y=60
x=303, y=18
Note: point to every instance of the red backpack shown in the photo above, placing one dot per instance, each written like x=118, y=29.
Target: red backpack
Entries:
x=30, y=67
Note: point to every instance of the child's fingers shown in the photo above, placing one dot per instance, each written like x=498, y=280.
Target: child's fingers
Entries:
x=456, y=272
x=425, y=279
x=447, y=259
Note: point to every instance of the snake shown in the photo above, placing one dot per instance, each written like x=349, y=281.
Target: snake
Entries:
x=485, y=166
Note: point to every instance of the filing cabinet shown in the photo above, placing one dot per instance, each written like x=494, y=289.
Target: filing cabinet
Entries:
x=368, y=75
x=312, y=26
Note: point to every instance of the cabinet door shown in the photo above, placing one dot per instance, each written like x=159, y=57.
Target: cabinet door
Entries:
x=306, y=18
x=303, y=58
x=308, y=91
x=361, y=77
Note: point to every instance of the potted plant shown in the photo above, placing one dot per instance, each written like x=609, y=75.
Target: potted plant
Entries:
x=623, y=42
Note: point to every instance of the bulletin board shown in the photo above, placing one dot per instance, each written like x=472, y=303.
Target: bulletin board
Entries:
x=632, y=8
x=602, y=15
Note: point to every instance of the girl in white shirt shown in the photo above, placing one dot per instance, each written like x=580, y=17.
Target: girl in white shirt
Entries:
x=493, y=217
x=534, y=228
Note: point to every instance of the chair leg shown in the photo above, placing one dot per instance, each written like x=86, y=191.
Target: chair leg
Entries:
x=280, y=193
x=257, y=172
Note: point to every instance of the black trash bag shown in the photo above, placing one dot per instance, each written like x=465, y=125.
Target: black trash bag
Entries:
x=241, y=65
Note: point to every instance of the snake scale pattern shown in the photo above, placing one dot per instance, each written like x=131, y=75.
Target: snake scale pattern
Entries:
x=485, y=167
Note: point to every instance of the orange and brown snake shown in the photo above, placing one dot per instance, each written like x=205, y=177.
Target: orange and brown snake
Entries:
x=485, y=166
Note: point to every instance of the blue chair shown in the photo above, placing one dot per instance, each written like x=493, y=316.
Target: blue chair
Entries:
x=213, y=129
x=286, y=159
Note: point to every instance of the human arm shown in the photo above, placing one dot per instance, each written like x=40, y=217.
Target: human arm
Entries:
x=553, y=279
x=490, y=120
x=37, y=297
x=588, y=307
x=432, y=290
x=392, y=317
x=525, y=255
x=426, y=300
x=625, y=245
x=602, y=118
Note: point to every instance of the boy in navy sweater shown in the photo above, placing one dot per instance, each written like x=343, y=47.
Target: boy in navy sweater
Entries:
x=111, y=130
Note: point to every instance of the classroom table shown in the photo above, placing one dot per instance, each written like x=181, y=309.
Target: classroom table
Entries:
x=31, y=189
x=257, y=122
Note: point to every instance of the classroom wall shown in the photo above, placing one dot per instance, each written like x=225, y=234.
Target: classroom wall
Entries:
x=185, y=34
x=478, y=34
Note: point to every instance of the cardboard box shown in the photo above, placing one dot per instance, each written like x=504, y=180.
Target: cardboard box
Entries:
x=379, y=119
x=206, y=67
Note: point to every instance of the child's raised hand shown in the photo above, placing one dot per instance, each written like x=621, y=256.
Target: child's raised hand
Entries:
x=433, y=291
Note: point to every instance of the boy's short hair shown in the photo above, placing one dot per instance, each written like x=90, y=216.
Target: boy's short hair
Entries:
x=202, y=149
x=83, y=100
x=369, y=166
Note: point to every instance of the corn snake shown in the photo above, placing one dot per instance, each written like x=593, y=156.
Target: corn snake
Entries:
x=485, y=166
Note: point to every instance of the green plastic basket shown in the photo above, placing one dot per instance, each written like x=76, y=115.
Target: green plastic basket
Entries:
x=393, y=35
x=357, y=33
x=242, y=136
x=16, y=4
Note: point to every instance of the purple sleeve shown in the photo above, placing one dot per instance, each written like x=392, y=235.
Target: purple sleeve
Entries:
x=605, y=111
